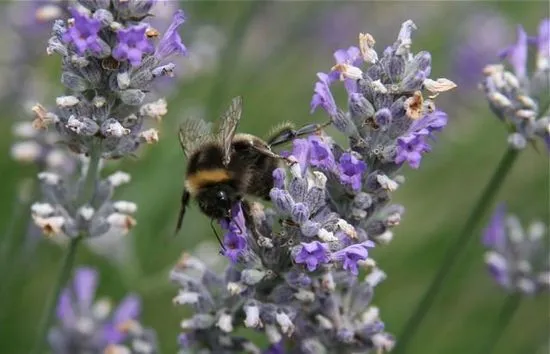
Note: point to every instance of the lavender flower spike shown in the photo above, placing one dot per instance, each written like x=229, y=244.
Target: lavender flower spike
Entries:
x=516, y=97
x=303, y=276
x=516, y=256
x=103, y=116
x=108, y=67
x=86, y=325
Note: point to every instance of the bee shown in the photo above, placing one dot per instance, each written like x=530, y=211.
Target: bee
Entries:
x=223, y=166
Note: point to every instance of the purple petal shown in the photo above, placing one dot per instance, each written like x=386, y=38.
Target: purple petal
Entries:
x=279, y=178
x=323, y=96
x=171, y=42
x=111, y=334
x=128, y=309
x=300, y=150
x=64, y=310
x=543, y=44
x=277, y=348
x=320, y=153
x=85, y=285
x=494, y=235
x=311, y=263
x=432, y=122
x=311, y=247
x=516, y=54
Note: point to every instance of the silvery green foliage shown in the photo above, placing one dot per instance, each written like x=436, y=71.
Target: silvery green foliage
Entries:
x=109, y=57
x=95, y=326
x=294, y=271
x=517, y=256
x=520, y=98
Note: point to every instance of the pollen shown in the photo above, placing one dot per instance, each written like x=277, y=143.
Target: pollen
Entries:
x=150, y=136
x=50, y=226
x=128, y=326
x=414, y=105
x=152, y=32
x=438, y=86
x=348, y=71
x=42, y=117
x=366, y=45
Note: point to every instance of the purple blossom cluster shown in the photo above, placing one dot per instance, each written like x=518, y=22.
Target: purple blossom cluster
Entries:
x=388, y=120
x=517, y=256
x=85, y=325
x=110, y=58
x=519, y=98
x=300, y=272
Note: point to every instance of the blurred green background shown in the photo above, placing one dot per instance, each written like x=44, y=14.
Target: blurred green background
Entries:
x=269, y=53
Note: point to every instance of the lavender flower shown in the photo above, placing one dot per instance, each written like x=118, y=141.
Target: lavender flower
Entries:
x=235, y=237
x=351, y=170
x=323, y=97
x=171, y=42
x=386, y=104
x=517, y=258
x=312, y=254
x=350, y=255
x=102, y=116
x=84, y=34
x=132, y=45
x=520, y=98
x=85, y=325
x=296, y=276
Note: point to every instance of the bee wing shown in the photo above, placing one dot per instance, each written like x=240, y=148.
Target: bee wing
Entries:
x=228, y=126
x=193, y=132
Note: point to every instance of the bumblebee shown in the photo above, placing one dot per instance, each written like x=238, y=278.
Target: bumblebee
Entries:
x=223, y=166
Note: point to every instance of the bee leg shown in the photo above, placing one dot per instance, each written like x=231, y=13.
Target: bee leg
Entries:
x=184, y=202
x=217, y=236
x=288, y=134
x=266, y=151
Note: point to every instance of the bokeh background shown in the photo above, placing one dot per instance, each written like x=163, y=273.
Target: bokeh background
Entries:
x=269, y=53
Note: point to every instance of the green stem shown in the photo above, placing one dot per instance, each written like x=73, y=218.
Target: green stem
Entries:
x=504, y=318
x=63, y=276
x=19, y=208
x=456, y=248
x=88, y=188
x=85, y=195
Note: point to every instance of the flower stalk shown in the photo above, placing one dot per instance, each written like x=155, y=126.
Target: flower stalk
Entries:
x=91, y=177
x=62, y=277
x=505, y=316
x=457, y=247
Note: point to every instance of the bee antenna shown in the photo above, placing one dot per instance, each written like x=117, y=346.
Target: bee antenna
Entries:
x=216, y=233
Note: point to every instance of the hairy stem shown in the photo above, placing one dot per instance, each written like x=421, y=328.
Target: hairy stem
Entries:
x=86, y=194
x=504, y=318
x=456, y=248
